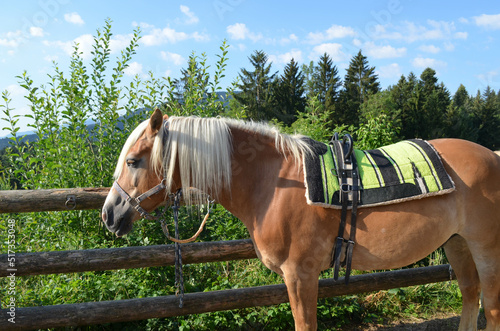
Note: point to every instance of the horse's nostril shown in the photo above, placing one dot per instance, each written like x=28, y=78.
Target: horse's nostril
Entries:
x=107, y=218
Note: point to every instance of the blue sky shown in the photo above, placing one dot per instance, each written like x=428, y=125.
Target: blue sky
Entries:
x=459, y=39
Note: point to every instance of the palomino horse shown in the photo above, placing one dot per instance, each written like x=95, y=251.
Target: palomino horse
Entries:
x=256, y=173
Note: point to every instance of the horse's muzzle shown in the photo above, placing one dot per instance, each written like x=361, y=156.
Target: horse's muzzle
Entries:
x=117, y=225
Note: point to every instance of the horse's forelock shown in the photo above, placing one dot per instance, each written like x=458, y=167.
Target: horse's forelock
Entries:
x=131, y=140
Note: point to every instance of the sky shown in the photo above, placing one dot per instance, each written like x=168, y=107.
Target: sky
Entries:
x=459, y=39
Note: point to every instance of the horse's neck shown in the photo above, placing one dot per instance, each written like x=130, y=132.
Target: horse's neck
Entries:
x=256, y=166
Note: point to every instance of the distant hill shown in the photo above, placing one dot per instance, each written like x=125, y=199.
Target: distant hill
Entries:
x=30, y=136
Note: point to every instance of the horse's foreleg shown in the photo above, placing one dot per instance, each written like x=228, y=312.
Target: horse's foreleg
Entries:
x=302, y=290
x=462, y=263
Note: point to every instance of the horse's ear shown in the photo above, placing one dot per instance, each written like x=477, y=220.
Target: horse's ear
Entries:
x=156, y=121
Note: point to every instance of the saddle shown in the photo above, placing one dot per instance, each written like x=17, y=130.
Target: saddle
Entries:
x=338, y=176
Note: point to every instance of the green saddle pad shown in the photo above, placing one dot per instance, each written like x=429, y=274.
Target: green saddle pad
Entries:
x=410, y=169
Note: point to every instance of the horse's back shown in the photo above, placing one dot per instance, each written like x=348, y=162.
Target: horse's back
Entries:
x=470, y=163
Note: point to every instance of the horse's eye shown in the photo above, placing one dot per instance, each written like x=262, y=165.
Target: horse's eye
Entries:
x=131, y=162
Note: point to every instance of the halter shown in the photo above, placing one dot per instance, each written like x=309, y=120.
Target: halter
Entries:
x=136, y=202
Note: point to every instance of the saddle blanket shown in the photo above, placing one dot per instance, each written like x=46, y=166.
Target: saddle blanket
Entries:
x=410, y=169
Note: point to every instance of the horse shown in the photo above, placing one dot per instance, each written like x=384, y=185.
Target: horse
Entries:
x=256, y=173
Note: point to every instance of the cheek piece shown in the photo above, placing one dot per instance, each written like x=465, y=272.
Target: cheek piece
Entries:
x=136, y=202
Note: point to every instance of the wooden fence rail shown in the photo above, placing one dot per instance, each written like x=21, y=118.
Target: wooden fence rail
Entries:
x=89, y=313
x=125, y=257
x=24, y=201
x=196, y=303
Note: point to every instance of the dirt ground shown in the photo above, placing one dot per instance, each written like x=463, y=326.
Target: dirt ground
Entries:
x=439, y=322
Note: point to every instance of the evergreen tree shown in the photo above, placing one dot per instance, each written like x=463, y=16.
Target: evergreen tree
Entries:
x=256, y=87
x=326, y=82
x=460, y=121
x=460, y=97
x=489, y=121
x=288, y=96
x=360, y=82
x=436, y=100
x=308, y=71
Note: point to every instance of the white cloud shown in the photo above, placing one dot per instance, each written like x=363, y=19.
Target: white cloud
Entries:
x=84, y=42
x=12, y=39
x=430, y=49
x=411, y=32
x=119, y=42
x=489, y=78
x=161, y=36
x=176, y=59
x=291, y=38
x=491, y=22
x=74, y=18
x=239, y=31
x=200, y=36
x=334, y=32
x=51, y=58
x=133, y=69
x=36, y=31
x=381, y=52
x=422, y=63
x=463, y=20
x=390, y=71
x=8, y=42
x=332, y=49
x=191, y=17
x=166, y=35
x=16, y=90
x=449, y=46
x=285, y=58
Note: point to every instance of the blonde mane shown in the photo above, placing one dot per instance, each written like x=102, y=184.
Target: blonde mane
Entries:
x=202, y=148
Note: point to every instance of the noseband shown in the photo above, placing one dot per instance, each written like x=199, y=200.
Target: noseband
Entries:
x=136, y=202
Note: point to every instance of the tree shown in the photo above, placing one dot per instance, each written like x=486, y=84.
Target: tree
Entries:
x=436, y=100
x=487, y=113
x=326, y=82
x=256, y=87
x=460, y=121
x=288, y=96
x=360, y=82
x=380, y=104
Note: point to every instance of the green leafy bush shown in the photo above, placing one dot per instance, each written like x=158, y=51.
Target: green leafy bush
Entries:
x=69, y=153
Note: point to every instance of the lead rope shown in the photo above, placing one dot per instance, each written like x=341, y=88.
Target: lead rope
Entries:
x=179, y=279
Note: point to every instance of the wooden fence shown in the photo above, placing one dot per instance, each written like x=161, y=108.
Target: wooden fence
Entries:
x=89, y=313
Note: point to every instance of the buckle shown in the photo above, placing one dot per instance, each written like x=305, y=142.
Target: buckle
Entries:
x=345, y=188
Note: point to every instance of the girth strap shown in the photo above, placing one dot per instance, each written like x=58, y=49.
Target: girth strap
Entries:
x=349, y=185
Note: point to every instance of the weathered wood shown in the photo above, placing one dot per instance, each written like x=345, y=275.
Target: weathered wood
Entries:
x=195, y=303
x=126, y=257
x=23, y=201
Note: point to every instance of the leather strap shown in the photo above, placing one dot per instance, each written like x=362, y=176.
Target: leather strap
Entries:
x=136, y=202
x=345, y=159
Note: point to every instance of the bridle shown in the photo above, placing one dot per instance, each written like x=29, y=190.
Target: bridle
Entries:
x=136, y=202
x=175, y=200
